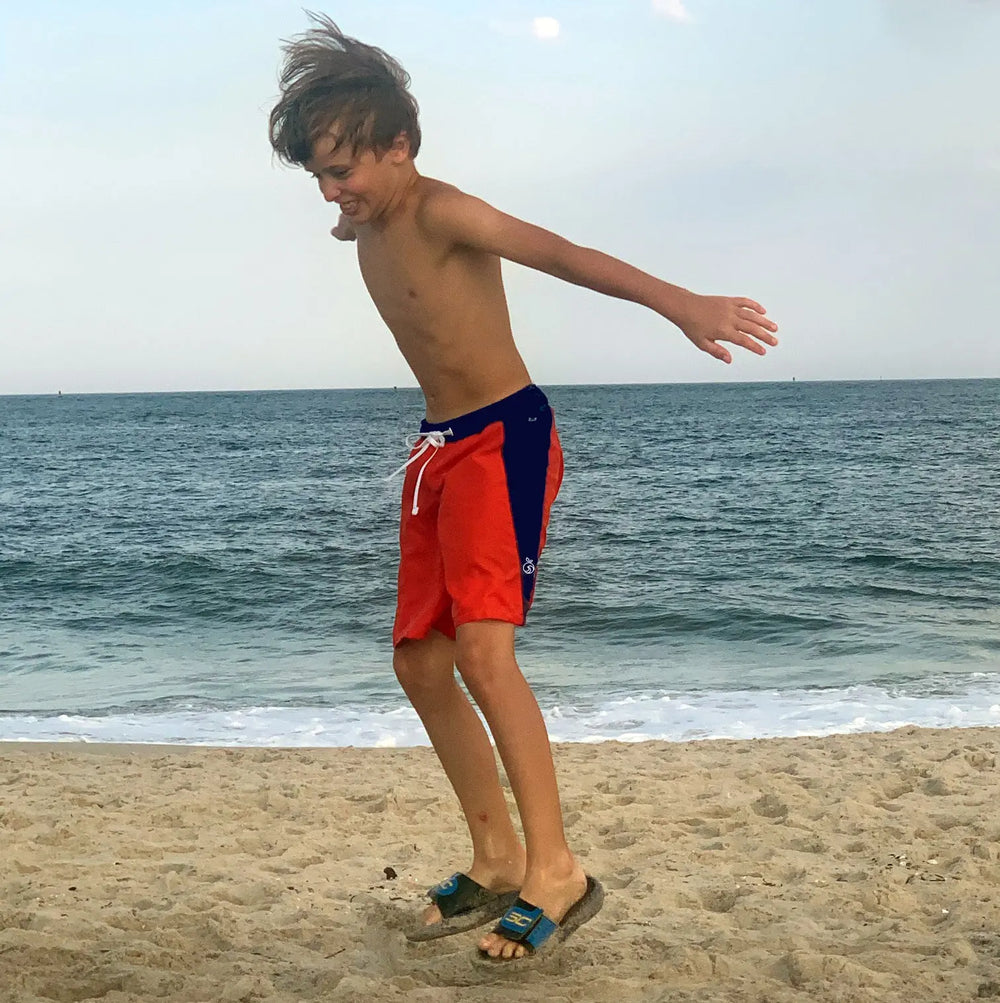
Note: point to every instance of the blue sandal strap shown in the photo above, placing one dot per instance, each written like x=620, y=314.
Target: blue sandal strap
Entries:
x=524, y=923
x=540, y=933
x=459, y=894
x=447, y=887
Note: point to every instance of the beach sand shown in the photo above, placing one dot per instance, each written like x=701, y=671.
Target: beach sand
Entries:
x=862, y=867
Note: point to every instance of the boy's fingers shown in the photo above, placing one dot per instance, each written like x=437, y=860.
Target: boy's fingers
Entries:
x=757, y=329
x=761, y=334
x=746, y=314
x=716, y=351
x=750, y=304
x=744, y=340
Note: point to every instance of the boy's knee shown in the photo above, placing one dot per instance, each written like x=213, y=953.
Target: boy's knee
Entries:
x=423, y=665
x=408, y=661
x=485, y=657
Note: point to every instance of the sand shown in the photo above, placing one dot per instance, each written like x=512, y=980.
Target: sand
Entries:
x=861, y=867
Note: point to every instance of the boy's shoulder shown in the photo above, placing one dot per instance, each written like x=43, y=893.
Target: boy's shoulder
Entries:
x=442, y=209
x=435, y=197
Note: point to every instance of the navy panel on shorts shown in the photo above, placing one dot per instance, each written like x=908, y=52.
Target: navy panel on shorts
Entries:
x=526, y=442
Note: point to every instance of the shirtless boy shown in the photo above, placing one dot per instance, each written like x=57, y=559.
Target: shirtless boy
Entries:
x=484, y=473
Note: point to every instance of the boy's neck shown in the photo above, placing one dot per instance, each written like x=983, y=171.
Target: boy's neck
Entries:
x=408, y=178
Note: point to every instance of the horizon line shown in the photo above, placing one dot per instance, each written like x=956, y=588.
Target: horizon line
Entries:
x=644, y=383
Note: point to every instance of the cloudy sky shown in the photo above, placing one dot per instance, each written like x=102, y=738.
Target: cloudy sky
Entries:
x=839, y=162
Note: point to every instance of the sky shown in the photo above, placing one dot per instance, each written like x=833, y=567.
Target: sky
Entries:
x=839, y=162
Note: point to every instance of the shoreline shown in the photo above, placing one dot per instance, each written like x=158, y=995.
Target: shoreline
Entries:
x=847, y=867
x=112, y=748
x=664, y=716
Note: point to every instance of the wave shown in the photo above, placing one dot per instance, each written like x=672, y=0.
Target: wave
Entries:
x=656, y=715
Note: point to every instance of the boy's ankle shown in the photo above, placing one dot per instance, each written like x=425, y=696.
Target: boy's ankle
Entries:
x=557, y=866
x=511, y=863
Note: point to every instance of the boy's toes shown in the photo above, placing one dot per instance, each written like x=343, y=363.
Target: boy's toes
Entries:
x=500, y=947
x=509, y=950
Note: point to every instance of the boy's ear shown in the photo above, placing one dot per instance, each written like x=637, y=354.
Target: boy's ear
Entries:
x=400, y=149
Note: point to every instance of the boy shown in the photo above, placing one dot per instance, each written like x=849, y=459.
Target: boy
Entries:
x=486, y=469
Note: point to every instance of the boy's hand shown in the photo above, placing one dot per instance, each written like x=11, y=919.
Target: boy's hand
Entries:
x=707, y=320
x=344, y=230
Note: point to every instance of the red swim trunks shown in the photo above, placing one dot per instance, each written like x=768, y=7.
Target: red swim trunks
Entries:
x=476, y=502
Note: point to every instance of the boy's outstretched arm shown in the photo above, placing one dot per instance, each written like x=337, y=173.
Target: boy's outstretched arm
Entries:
x=705, y=320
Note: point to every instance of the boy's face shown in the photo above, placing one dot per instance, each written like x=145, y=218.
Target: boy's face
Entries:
x=362, y=183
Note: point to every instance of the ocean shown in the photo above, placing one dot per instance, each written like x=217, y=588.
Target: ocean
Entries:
x=724, y=560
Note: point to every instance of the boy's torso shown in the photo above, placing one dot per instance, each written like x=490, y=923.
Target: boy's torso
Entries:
x=446, y=308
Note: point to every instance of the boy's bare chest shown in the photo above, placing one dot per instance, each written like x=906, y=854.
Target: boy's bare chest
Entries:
x=396, y=272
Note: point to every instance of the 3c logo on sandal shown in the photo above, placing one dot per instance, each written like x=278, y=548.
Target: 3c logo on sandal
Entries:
x=517, y=919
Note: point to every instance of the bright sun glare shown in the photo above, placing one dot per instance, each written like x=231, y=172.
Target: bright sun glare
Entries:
x=545, y=27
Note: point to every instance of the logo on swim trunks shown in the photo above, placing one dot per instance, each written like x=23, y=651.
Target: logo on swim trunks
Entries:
x=528, y=568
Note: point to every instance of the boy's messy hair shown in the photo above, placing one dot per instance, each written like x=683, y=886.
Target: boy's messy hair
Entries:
x=329, y=78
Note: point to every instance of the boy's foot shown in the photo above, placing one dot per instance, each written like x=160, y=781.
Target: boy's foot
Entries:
x=554, y=894
x=500, y=881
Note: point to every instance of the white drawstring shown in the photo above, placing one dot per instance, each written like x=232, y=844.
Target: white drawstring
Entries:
x=435, y=439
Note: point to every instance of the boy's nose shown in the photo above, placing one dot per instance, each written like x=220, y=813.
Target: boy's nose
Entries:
x=330, y=190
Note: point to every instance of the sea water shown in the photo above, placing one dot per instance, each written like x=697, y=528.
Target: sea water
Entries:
x=724, y=560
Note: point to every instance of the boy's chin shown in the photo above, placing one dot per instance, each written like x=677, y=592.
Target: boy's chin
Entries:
x=359, y=214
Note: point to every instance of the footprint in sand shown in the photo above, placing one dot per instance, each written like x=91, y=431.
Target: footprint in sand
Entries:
x=770, y=806
x=718, y=899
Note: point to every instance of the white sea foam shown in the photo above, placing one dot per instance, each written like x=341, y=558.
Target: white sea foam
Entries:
x=669, y=717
